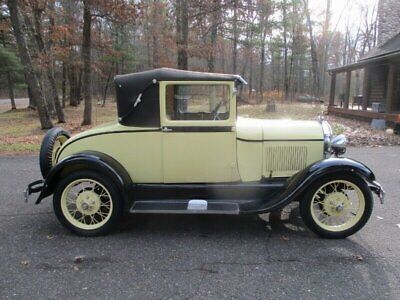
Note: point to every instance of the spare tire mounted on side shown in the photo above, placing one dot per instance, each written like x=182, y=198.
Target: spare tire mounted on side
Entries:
x=52, y=142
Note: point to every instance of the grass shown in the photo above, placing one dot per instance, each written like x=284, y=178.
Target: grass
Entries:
x=20, y=131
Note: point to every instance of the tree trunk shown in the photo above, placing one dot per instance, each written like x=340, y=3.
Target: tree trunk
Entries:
x=73, y=85
x=285, y=45
x=63, y=83
x=106, y=86
x=155, y=29
x=86, y=49
x=79, y=86
x=37, y=13
x=215, y=19
x=235, y=36
x=11, y=91
x=262, y=66
x=326, y=45
x=314, y=57
x=31, y=77
x=182, y=33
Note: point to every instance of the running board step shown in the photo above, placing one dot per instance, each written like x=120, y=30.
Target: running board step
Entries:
x=194, y=206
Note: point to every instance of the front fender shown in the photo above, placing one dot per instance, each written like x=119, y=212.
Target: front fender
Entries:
x=88, y=160
x=298, y=183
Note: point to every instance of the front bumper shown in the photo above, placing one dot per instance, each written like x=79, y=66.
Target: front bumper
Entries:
x=34, y=187
x=378, y=190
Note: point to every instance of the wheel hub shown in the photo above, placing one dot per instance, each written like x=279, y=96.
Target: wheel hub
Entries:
x=336, y=203
x=88, y=202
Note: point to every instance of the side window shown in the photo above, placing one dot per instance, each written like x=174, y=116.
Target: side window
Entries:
x=197, y=102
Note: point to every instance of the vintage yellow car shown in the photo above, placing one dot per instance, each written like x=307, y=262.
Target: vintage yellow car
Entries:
x=179, y=147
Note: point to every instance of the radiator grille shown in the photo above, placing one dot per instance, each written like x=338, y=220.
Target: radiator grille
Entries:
x=285, y=158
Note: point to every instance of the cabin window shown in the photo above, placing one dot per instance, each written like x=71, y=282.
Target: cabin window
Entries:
x=197, y=102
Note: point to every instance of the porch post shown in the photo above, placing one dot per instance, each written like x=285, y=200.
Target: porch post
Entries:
x=390, y=87
x=333, y=88
x=348, y=84
x=366, y=88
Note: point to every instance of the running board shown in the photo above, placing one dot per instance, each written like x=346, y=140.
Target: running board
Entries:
x=193, y=206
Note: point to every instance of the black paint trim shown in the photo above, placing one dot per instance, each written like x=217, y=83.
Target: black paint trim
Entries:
x=280, y=140
x=199, y=128
x=92, y=160
x=229, y=190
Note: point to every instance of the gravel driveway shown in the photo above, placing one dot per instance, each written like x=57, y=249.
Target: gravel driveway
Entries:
x=155, y=256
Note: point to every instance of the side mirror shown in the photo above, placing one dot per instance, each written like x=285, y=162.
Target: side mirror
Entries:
x=338, y=145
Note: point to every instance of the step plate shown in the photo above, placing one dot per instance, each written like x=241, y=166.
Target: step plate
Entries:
x=194, y=206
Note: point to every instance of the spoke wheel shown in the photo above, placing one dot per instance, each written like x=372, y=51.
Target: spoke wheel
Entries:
x=88, y=203
x=337, y=206
x=59, y=141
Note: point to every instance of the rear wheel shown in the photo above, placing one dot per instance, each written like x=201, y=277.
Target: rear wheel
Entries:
x=337, y=206
x=87, y=203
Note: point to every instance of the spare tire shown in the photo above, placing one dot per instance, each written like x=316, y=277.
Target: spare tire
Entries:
x=51, y=144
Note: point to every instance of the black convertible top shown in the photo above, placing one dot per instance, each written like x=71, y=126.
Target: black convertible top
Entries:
x=144, y=85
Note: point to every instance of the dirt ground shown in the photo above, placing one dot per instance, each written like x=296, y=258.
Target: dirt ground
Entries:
x=20, y=131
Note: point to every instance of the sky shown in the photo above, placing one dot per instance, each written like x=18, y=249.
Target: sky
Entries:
x=342, y=11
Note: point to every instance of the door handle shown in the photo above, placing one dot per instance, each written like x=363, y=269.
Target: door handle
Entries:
x=166, y=129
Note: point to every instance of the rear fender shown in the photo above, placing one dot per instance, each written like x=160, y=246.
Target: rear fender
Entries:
x=88, y=160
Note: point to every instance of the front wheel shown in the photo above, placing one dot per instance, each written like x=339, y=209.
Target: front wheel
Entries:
x=337, y=206
x=87, y=203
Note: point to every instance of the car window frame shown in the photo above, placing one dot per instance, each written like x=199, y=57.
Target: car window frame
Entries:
x=165, y=122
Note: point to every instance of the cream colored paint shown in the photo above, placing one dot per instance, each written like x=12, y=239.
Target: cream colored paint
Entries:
x=254, y=157
x=199, y=156
x=250, y=160
x=172, y=157
x=255, y=129
x=139, y=152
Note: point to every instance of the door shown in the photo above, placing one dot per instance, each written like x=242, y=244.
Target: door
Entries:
x=198, y=133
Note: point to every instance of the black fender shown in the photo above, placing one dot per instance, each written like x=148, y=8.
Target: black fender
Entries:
x=298, y=183
x=87, y=160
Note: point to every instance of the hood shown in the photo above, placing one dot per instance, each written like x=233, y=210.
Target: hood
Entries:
x=278, y=130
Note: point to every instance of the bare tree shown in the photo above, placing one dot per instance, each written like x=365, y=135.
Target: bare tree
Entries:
x=86, y=50
x=285, y=50
x=31, y=76
x=46, y=53
x=215, y=20
x=314, y=57
x=182, y=33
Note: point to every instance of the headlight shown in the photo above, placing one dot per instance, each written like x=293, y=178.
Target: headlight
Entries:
x=338, y=145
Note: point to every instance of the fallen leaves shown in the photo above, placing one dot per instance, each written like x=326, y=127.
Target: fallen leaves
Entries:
x=78, y=259
x=361, y=134
x=284, y=238
x=24, y=262
x=359, y=257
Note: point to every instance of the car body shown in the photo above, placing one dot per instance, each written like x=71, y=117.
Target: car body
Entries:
x=179, y=147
